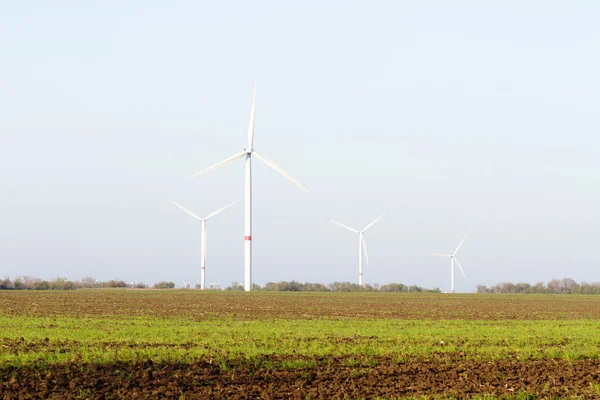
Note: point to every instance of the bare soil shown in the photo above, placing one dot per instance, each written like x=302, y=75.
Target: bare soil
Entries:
x=331, y=378
x=260, y=305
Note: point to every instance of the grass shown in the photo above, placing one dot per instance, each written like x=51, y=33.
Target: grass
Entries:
x=27, y=339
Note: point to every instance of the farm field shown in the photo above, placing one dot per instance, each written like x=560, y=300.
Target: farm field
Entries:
x=192, y=344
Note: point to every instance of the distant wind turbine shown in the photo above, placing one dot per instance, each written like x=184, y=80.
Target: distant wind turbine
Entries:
x=452, y=261
x=361, y=245
x=203, y=221
x=247, y=154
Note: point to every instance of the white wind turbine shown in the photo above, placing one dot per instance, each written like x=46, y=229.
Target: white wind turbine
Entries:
x=203, y=221
x=452, y=261
x=361, y=245
x=247, y=155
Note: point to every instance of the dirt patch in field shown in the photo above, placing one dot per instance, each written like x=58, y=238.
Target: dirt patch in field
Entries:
x=260, y=305
x=325, y=378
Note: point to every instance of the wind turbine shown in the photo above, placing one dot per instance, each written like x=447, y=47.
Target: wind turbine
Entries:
x=247, y=155
x=362, y=245
x=203, y=221
x=452, y=261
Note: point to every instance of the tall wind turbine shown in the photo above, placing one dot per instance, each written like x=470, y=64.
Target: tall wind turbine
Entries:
x=203, y=222
x=452, y=261
x=247, y=155
x=362, y=245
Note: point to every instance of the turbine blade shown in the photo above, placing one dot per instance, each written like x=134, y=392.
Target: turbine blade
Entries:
x=440, y=255
x=220, y=164
x=251, y=123
x=373, y=223
x=461, y=270
x=219, y=210
x=364, y=245
x=344, y=226
x=186, y=210
x=461, y=242
x=282, y=172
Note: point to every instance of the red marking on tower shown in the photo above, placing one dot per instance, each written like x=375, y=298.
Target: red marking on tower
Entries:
x=203, y=267
x=248, y=238
x=360, y=274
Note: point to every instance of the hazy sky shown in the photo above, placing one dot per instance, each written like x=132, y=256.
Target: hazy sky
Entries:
x=478, y=117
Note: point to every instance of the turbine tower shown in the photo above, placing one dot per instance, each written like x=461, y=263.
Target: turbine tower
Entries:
x=247, y=155
x=362, y=245
x=452, y=261
x=203, y=222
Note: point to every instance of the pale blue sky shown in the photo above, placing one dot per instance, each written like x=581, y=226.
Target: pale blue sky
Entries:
x=470, y=116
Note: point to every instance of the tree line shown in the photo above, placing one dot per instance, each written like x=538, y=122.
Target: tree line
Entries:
x=33, y=283
x=555, y=286
x=294, y=286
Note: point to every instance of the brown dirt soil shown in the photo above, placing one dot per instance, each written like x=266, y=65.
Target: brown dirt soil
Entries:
x=260, y=305
x=331, y=378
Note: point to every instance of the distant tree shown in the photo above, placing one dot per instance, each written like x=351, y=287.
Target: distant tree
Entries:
x=522, y=287
x=539, y=288
x=236, y=286
x=368, y=288
x=6, y=284
x=88, y=283
x=344, y=287
x=314, y=287
x=589, y=288
x=116, y=284
x=555, y=286
x=393, y=287
x=569, y=285
x=61, y=284
x=41, y=285
x=164, y=285
x=27, y=282
x=481, y=289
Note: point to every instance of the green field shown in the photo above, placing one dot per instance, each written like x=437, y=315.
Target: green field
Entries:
x=39, y=339
x=296, y=334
